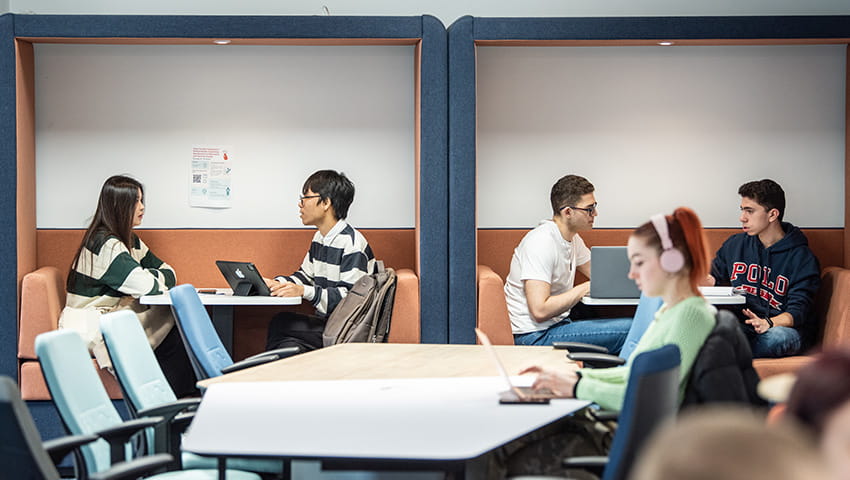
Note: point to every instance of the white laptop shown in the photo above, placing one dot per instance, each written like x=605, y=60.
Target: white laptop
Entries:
x=609, y=270
x=514, y=394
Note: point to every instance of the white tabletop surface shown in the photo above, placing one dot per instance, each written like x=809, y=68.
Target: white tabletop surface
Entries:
x=431, y=419
x=224, y=296
x=714, y=295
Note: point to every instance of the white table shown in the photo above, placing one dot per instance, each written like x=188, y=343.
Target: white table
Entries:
x=714, y=295
x=222, y=303
x=422, y=423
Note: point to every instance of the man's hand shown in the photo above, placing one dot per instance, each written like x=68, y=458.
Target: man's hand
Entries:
x=285, y=289
x=543, y=306
x=759, y=324
x=561, y=383
x=583, y=289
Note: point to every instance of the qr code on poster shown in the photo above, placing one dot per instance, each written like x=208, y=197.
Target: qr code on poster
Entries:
x=199, y=178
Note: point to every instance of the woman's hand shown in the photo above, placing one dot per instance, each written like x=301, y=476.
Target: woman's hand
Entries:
x=561, y=383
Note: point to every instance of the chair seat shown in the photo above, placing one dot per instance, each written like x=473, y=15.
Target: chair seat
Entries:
x=192, y=461
x=206, y=474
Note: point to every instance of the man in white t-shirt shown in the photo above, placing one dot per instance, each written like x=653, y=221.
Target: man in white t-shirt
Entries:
x=540, y=289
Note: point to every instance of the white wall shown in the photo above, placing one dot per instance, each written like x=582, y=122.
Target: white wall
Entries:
x=498, y=67
x=446, y=10
x=658, y=127
x=285, y=111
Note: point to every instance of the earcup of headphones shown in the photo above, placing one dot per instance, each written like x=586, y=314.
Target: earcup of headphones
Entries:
x=672, y=260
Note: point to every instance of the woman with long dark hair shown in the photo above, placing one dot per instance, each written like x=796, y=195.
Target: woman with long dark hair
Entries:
x=112, y=269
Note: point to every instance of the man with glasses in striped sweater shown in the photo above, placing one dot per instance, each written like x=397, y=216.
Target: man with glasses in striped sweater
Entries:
x=339, y=255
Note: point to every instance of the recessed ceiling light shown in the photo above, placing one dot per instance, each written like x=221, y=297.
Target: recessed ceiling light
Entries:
x=221, y=42
x=665, y=43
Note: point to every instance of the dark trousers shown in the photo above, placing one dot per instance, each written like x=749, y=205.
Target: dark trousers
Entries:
x=175, y=365
x=290, y=329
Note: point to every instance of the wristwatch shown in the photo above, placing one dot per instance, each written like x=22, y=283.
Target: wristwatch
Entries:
x=769, y=322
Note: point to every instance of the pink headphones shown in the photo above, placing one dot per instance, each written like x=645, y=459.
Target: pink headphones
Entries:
x=671, y=259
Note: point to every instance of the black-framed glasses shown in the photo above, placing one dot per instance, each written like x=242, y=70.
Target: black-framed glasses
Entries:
x=305, y=197
x=590, y=209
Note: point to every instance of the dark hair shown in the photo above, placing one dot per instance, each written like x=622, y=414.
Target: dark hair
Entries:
x=113, y=215
x=766, y=193
x=687, y=235
x=567, y=191
x=822, y=386
x=333, y=185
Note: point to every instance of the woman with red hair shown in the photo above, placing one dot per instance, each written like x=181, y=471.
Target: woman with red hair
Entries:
x=668, y=259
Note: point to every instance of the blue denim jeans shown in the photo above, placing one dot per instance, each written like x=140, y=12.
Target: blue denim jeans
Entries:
x=775, y=342
x=607, y=332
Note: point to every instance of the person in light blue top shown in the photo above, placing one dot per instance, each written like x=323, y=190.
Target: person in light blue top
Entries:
x=668, y=259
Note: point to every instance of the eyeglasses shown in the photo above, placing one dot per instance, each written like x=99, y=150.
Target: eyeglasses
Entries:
x=305, y=197
x=590, y=209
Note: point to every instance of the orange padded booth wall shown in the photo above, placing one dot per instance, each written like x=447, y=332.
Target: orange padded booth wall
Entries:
x=193, y=252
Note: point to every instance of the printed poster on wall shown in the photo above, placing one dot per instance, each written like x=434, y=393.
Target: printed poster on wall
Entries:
x=210, y=178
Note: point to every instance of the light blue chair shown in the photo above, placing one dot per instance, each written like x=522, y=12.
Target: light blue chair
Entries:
x=206, y=351
x=85, y=407
x=24, y=456
x=644, y=315
x=595, y=356
x=147, y=393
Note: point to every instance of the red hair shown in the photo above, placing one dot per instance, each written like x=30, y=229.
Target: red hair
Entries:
x=687, y=235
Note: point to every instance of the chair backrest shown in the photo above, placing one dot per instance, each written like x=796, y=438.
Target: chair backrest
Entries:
x=21, y=452
x=405, y=326
x=205, y=349
x=644, y=315
x=652, y=396
x=77, y=391
x=833, y=307
x=493, y=316
x=723, y=369
x=42, y=300
x=139, y=374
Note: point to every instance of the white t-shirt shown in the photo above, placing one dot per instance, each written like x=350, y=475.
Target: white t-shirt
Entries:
x=544, y=255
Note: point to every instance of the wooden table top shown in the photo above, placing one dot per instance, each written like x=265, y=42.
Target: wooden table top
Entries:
x=397, y=360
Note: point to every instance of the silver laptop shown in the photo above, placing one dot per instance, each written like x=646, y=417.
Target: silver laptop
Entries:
x=609, y=270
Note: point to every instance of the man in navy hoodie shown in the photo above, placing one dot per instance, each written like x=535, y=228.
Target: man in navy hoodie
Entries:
x=777, y=272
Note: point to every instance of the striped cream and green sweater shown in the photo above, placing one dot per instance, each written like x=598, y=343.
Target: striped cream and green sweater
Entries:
x=109, y=276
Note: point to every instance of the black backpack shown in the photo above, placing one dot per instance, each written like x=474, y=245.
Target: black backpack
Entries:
x=364, y=314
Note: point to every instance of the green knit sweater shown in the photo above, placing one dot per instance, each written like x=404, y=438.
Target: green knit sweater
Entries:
x=686, y=324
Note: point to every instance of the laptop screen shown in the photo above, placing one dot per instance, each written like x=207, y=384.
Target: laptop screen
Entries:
x=609, y=270
x=243, y=278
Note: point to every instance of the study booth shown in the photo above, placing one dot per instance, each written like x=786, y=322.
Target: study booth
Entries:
x=59, y=144
x=656, y=112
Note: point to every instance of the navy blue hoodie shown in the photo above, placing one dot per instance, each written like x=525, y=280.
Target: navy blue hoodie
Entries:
x=781, y=278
